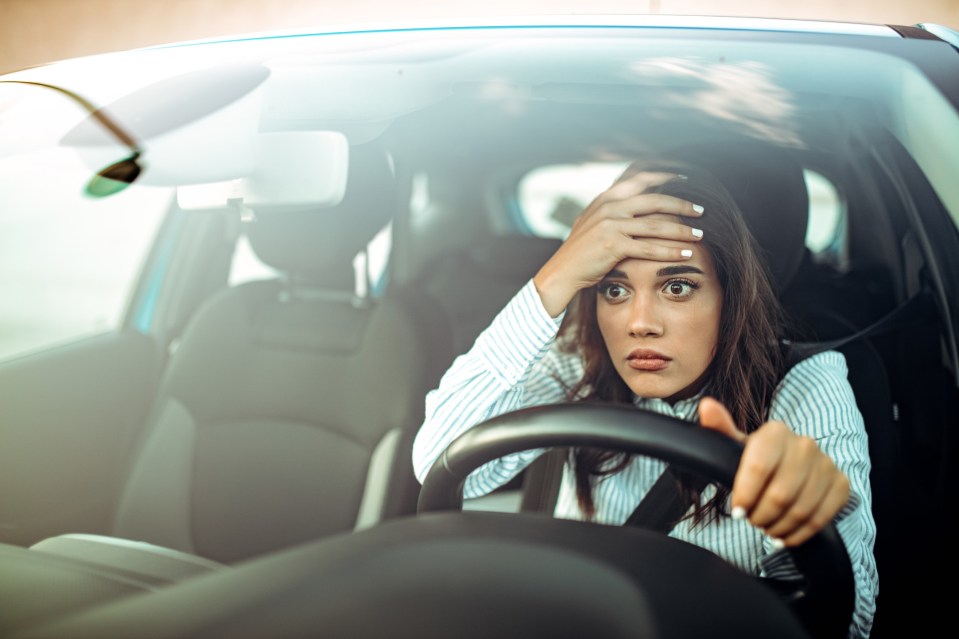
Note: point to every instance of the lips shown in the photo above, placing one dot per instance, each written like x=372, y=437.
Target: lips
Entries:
x=644, y=359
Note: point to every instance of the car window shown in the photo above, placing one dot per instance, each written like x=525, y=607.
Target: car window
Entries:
x=827, y=217
x=56, y=290
x=68, y=261
x=246, y=266
x=551, y=197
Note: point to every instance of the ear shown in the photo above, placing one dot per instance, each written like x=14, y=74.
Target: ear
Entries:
x=713, y=415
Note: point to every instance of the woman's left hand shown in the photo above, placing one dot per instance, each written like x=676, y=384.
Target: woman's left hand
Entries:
x=785, y=484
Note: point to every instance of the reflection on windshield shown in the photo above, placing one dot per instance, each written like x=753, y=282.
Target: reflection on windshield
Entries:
x=116, y=176
x=741, y=93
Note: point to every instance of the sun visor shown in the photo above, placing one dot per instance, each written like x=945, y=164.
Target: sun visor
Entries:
x=194, y=128
x=293, y=170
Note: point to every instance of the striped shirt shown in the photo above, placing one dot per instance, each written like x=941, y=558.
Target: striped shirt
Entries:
x=513, y=365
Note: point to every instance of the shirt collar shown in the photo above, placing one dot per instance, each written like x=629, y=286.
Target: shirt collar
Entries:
x=684, y=409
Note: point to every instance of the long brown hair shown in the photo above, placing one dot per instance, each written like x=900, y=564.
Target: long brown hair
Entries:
x=749, y=361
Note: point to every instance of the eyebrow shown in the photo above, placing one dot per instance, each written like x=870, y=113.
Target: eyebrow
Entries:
x=666, y=271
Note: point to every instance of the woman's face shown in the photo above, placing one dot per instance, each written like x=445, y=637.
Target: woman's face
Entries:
x=660, y=322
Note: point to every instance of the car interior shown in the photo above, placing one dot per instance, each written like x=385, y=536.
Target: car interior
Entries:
x=275, y=417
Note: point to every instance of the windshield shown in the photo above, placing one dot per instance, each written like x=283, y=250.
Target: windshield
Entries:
x=512, y=101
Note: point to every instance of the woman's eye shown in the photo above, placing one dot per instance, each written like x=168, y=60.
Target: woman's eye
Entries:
x=614, y=292
x=680, y=288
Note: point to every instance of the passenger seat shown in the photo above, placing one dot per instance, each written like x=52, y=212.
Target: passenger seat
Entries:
x=287, y=412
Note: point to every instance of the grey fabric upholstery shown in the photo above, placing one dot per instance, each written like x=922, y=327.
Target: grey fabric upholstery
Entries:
x=473, y=283
x=281, y=391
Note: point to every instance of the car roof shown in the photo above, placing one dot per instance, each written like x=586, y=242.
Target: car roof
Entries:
x=716, y=22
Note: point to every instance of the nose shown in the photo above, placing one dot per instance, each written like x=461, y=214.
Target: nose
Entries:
x=645, y=319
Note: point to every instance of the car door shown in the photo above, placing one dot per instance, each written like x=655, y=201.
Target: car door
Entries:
x=78, y=364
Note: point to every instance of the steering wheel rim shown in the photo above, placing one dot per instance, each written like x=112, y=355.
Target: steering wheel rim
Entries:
x=823, y=601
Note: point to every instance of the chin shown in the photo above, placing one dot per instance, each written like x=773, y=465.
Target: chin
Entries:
x=654, y=390
x=650, y=386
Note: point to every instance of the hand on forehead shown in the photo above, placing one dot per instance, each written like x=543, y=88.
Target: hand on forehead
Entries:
x=655, y=218
x=700, y=256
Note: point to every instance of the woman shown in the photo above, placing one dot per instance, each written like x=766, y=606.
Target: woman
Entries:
x=681, y=320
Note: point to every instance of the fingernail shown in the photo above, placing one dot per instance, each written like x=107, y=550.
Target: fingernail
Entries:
x=698, y=208
x=680, y=176
x=738, y=512
x=777, y=543
x=686, y=253
x=697, y=232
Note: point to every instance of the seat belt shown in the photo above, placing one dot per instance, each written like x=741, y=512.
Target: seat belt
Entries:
x=662, y=507
x=542, y=481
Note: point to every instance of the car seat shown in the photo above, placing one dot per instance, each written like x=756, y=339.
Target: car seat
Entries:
x=287, y=411
x=473, y=283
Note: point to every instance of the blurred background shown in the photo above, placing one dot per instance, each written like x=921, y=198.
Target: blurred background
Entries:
x=33, y=32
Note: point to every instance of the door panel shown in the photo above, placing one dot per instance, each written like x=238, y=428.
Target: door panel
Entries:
x=69, y=420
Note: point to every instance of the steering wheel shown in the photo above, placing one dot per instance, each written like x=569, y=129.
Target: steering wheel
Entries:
x=823, y=599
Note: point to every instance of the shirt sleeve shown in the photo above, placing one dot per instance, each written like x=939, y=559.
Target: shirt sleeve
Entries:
x=510, y=366
x=816, y=400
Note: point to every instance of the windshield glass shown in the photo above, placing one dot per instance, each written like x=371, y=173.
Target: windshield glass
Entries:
x=69, y=261
x=512, y=101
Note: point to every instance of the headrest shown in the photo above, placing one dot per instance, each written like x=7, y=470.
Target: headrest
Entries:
x=318, y=244
x=509, y=256
x=769, y=187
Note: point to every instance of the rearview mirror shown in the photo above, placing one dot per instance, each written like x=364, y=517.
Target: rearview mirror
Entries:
x=293, y=170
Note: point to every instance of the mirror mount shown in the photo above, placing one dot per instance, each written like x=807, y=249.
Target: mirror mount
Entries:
x=114, y=177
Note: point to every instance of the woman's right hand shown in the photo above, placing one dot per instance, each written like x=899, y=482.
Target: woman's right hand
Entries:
x=622, y=222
